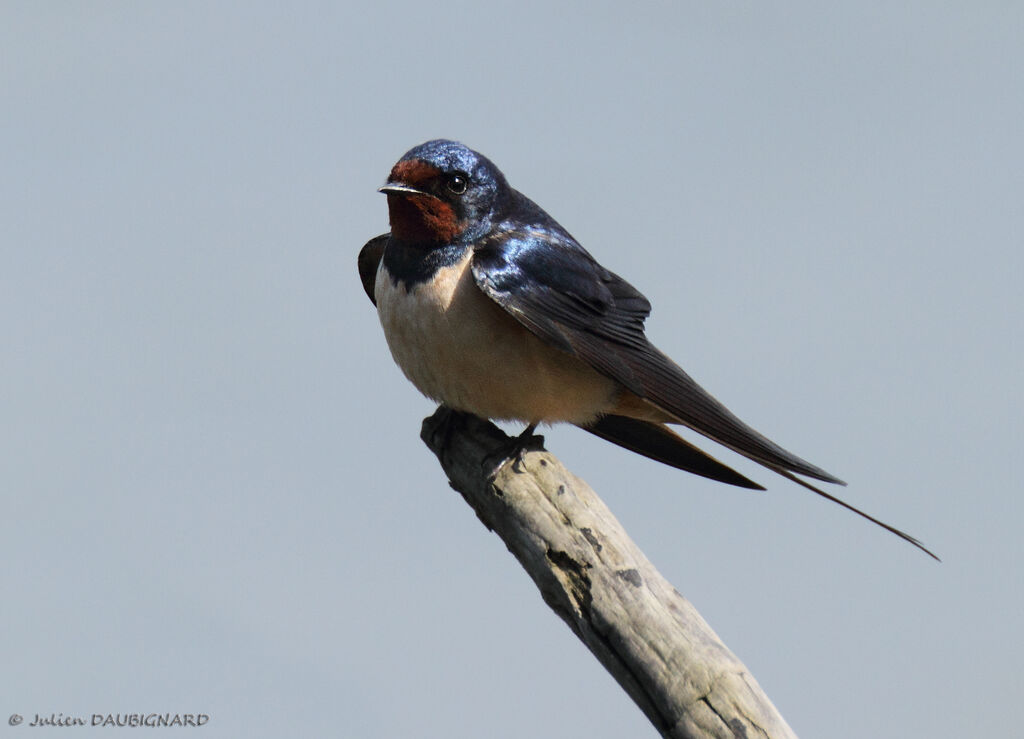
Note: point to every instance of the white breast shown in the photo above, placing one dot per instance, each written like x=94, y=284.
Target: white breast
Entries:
x=460, y=348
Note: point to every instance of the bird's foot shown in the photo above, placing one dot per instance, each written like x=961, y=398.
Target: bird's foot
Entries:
x=515, y=450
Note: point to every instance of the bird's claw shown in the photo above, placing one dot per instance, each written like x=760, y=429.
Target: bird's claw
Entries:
x=515, y=451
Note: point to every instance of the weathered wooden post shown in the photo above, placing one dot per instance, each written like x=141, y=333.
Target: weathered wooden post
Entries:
x=592, y=575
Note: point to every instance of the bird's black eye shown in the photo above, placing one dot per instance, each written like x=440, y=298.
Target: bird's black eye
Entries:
x=457, y=183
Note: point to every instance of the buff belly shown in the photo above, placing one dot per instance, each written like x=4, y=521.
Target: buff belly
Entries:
x=460, y=348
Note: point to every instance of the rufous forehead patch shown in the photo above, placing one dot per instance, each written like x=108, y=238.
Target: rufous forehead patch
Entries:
x=413, y=172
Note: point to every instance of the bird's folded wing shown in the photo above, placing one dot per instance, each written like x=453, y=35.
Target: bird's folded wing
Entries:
x=369, y=260
x=558, y=291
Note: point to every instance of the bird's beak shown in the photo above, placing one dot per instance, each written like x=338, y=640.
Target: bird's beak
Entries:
x=400, y=188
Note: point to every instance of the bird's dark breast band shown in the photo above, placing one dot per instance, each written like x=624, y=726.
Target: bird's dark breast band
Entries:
x=412, y=265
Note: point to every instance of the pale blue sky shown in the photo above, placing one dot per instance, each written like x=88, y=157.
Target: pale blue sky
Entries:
x=216, y=498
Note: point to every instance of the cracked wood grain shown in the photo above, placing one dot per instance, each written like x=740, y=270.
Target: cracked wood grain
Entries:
x=588, y=570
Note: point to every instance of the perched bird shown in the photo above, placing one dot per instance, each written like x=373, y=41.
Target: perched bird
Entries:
x=489, y=306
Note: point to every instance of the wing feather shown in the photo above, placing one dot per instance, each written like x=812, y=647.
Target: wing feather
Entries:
x=369, y=260
x=558, y=291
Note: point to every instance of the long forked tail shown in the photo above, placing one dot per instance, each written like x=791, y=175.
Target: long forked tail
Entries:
x=658, y=442
x=892, y=529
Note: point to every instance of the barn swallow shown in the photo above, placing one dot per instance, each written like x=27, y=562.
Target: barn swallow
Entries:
x=490, y=307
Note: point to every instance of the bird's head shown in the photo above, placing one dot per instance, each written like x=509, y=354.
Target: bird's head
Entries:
x=442, y=192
